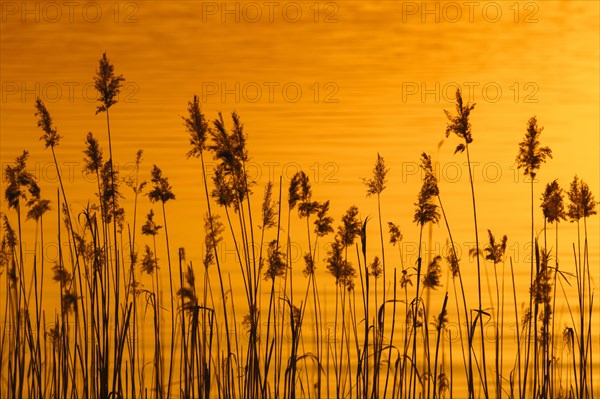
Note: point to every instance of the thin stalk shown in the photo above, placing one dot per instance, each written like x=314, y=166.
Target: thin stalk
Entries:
x=172, y=302
x=485, y=389
x=469, y=371
x=228, y=374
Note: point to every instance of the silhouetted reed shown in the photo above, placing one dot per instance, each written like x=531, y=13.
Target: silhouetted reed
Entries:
x=581, y=206
x=375, y=186
x=461, y=127
x=109, y=333
x=530, y=158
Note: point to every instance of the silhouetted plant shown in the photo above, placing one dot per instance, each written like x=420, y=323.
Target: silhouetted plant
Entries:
x=425, y=212
x=395, y=234
x=440, y=381
x=453, y=262
x=426, y=209
x=323, y=222
x=149, y=265
x=299, y=190
x=345, y=274
x=552, y=202
x=213, y=229
x=309, y=265
x=110, y=194
x=376, y=184
x=495, y=250
x=554, y=211
x=582, y=203
x=37, y=208
x=581, y=206
x=275, y=261
x=50, y=136
x=199, y=130
x=21, y=186
x=6, y=252
x=541, y=288
x=95, y=340
x=432, y=276
x=21, y=182
x=150, y=227
x=108, y=84
x=161, y=189
x=350, y=227
x=530, y=158
x=341, y=269
x=93, y=155
x=69, y=301
x=9, y=243
x=163, y=192
x=375, y=268
x=149, y=262
x=197, y=126
x=187, y=292
x=300, y=195
x=10, y=237
x=229, y=148
x=460, y=125
x=531, y=155
x=268, y=208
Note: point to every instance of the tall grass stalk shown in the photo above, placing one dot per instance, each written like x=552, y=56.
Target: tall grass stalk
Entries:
x=530, y=158
x=461, y=126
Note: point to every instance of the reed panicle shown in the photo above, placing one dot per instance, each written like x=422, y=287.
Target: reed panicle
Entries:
x=108, y=84
x=377, y=183
x=21, y=183
x=50, y=137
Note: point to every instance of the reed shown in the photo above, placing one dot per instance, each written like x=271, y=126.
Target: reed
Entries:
x=129, y=322
x=461, y=126
x=530, y=158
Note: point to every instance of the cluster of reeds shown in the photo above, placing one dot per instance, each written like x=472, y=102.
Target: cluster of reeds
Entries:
x=114, y=334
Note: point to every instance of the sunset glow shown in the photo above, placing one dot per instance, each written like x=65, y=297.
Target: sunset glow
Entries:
x=319, y=204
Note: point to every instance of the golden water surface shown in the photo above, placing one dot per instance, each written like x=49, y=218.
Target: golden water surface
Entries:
x=323, y=87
